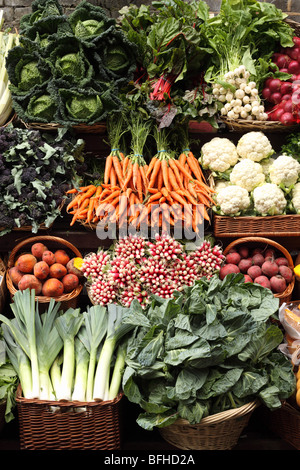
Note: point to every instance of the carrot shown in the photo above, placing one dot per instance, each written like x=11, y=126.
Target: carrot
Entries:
x=160, y=181
x=89, y=193
x=124, y=165
x=192, y=190
x=113, y=176
x=167, y=195
x=135, y=174
x=178, y=198
x=154, y=173
x=72, y=191
x=194, y=166
x=85, y=188
x=128, y=174
x=108, y=166
x=118, y=169
x=182, y=158
x=144, y=177
x=151, y=166
x=73, y=203
x=176, y=172
x=152, y=190
x=90, y=210
x=111, y=196
x=188, y=196
x=79, y=211
x=183, y=169
x=173, y=180
x=164, y=168
x=154, y=197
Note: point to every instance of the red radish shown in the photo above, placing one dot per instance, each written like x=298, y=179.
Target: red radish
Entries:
x=244, y=265
x=288, y=106
x=284, y=70
x=248, y=278
x=281, y=261
x=258, y=259
x=257, y=250
x=296, y=41
x=286, y=273
x=278, y=284
x=243, y=251
x=254, y=271
x=276, y=56
x=269, y=268
x=269, y=254
x=266, y=93
x=263, y=281
x=233, y=258
x=268, y=81
x=294, y=67
x=293, y=52
x=287, y=119
x=275, y=98
x=277, y=114
x=228, y=269
x=286, y=87
x=275, y=85
x=283, y=61
x=286, y=97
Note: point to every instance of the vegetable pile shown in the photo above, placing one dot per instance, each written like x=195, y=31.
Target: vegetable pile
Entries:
x=249, y=180
x=210, y=348
x=74, y=355
x=68, y=70
x=171, y=190
x=49, y=273
x=263, y=265
x=282, y=96
x=136, y=268
x=36, y=170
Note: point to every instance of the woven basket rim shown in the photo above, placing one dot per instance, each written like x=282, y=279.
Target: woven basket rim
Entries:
x=233, y=413
x=77, y=127
x=40, y=238
x=276, y=245
x=64, y=403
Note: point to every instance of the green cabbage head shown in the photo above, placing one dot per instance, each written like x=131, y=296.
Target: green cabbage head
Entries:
x=116, y=59
x=30, y=76
x=88, y=28
x=69, y=64
x=42, y=107
x=84, y=107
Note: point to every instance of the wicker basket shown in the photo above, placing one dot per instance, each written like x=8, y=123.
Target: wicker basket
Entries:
x=285, y=423
x=268, y=226
x=68, y=300
x=55, y=425
x=98, y=128
x=285, y=296
x=241, y=125
x=216, y=432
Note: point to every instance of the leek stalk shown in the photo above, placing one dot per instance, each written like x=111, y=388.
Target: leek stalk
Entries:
x=81, y=373
x=119, y=365
x=68, y=326
x=55, y=374
x=93, y=332
x=115, y=331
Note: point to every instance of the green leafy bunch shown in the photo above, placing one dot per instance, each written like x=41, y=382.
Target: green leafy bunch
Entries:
x=210, y=348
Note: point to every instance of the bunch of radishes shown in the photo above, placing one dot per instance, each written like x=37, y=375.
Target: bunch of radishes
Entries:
x=239, y=96
x=262, y=265
x=136, y=268
x=282, y=98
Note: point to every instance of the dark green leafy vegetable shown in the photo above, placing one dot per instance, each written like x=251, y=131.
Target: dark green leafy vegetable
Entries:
x=89, y=21
x=210, y=348
x=41, y=9
x=8, y=383
x=35, y=172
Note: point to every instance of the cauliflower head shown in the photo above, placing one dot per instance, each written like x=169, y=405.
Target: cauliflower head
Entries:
x=255, y=146
x=220, y=184
x=219, y=154
x=284, y=170
x=247, y=174
x=233, y=200
x=265, y=164
x=296, y=197
x=269, y=199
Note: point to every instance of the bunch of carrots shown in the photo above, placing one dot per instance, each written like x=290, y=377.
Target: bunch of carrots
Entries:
x=166, y=191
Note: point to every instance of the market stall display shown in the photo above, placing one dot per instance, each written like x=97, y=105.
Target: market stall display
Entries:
x=187, y=329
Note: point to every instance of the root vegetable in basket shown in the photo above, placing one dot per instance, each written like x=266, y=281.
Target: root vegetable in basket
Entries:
x=44, y=273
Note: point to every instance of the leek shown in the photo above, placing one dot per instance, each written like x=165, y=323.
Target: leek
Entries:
x=49, y=344
x=93, y=332
x=68, y=326
x=55, y=374
x=19, y=361
x=115, y=331
x=116, y=379
x=23, y=330
x=81, y=372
